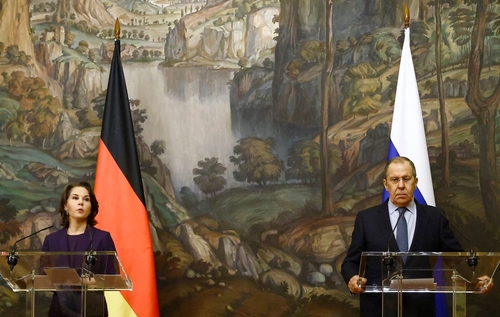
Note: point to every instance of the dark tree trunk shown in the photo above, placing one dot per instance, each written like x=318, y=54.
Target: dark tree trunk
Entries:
x=326, y=98
x=484, y=109
x=286, y=45
x=445, y=142
x=389, y=12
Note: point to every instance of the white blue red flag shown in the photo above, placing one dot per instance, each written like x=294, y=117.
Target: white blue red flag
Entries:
x=407, y=131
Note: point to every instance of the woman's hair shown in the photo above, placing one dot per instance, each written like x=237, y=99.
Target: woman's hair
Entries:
x=94, y=205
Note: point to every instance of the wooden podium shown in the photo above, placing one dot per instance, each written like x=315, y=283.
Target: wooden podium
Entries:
x=78, y=278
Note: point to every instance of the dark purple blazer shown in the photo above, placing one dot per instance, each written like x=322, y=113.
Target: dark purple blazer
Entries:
x=68, y=303
x=373, y=232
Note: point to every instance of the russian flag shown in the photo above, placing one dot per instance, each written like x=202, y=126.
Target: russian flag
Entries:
x=407, y=130
x=122, y=206
x=408, y=139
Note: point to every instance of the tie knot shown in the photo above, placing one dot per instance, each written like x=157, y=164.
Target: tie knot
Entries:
x=401, y=210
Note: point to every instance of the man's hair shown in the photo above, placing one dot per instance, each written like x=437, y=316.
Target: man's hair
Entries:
x=400, y=160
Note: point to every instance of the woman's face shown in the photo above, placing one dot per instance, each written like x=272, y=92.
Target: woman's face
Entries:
x=78, y=204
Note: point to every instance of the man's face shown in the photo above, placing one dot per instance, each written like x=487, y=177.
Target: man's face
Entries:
x=400, y=183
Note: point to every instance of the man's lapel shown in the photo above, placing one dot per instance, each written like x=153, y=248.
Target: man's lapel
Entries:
x=384, y=223
x=420, y=227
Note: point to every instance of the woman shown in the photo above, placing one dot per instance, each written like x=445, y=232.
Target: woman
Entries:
x=78, y=209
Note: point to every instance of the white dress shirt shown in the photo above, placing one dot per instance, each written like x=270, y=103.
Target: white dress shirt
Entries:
x=410, y=216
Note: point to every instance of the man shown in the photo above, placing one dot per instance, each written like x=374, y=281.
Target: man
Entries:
x=375, y=230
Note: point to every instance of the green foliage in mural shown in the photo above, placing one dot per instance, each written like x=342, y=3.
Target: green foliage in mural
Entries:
x=384, y=48
x=362, y=86
x=88, y=118
x=8, y=110
x=208, y=177
x=255, y=161
x=9, y=226
x=158, y=147
x=17, y=57
x=304, y=161
x=44, y=118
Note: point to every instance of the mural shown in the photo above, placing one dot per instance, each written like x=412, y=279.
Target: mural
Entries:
x=226, y=101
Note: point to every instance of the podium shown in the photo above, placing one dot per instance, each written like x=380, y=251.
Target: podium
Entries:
x=78, y=279
x=401, y=276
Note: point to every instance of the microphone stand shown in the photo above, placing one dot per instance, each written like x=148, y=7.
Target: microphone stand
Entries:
x=472, y=260
x=12, y=259
x=387, y=258
x=90, y=259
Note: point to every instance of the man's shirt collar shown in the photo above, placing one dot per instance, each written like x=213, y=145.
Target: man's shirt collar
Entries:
x=412, y=207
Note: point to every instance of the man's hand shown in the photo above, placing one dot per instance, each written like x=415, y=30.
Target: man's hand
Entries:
x=355, y=284
x=485, y=284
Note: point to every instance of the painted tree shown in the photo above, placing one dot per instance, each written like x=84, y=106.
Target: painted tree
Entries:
x=43, y=118
x=255, y=161
x=8, y=111
x=17, y=129
x=22, y=88
x=9, y=226
x=98, y=104
x=158, y=147
x=388, y=9
x=328, y=99
x=88, y=118
x=83, y=46
x=384, y=48
x=208, y=177
x=189, y=199
x=305, y=164
x=445, y=141
x=485, y=110
x=423, y=38
x=361, y=87
x=462, y=22
x=288, y=40
x=69, y=37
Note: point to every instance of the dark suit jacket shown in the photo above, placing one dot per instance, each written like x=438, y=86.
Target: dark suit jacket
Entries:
x=373, y=232
x=68, y=303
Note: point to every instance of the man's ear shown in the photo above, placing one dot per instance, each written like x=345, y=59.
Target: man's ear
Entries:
x=384, y=181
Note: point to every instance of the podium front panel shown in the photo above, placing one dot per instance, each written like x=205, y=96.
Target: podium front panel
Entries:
x=430, y=272
x=75, y=280
x=426, y=283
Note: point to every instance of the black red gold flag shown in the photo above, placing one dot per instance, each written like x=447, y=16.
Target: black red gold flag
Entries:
x=122, y=207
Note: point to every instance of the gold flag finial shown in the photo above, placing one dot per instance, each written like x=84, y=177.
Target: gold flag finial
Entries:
x=407, y=16
x=117, y=29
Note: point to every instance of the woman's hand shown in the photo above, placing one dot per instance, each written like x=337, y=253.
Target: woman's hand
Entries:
x=89, y=281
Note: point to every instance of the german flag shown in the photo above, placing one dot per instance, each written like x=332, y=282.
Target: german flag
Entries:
x=122, y=207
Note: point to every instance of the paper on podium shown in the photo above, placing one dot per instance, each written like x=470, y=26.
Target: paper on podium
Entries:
x=413, y=284
x=63, y=276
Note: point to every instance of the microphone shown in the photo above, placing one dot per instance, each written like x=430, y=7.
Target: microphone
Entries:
x=90, y=259
x=388, y=260
x=12, y=258
x=472, y=260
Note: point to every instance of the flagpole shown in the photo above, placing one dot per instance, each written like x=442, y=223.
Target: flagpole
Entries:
x=117, y=29
x=406, y=16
